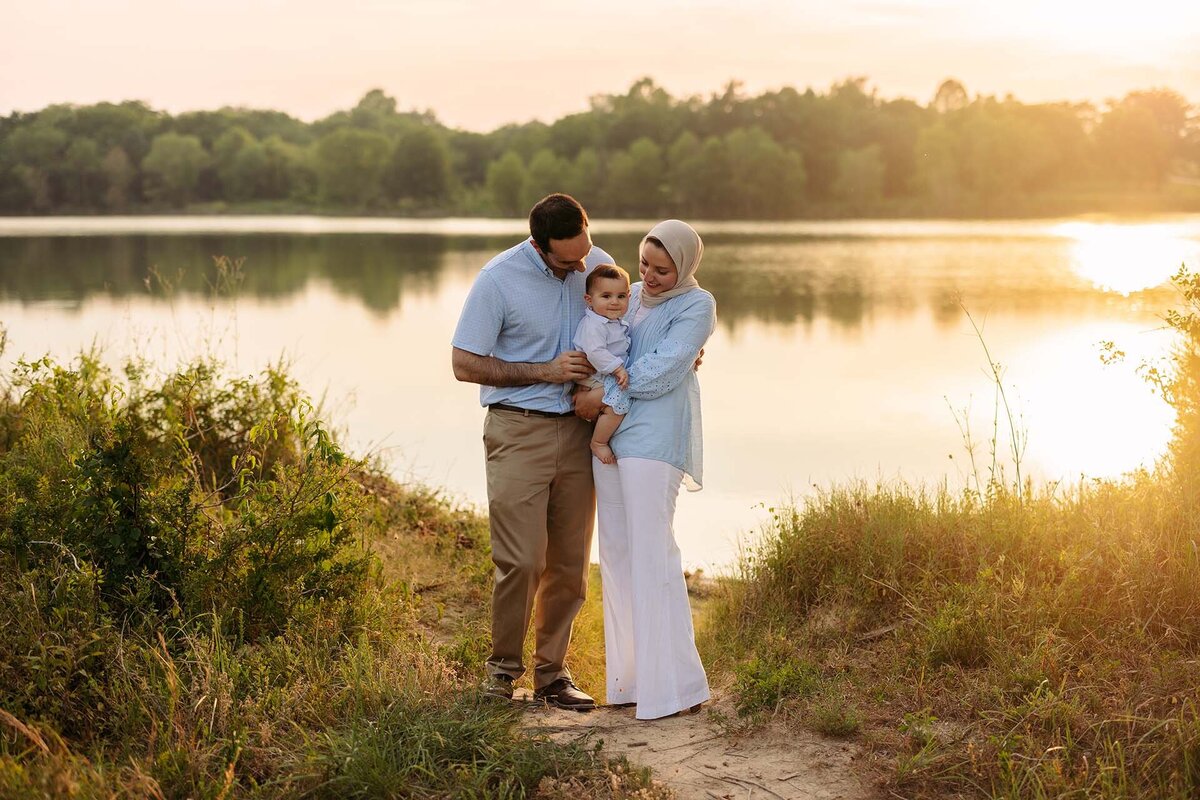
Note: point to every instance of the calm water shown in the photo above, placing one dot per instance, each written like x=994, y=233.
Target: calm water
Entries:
x=842, y=352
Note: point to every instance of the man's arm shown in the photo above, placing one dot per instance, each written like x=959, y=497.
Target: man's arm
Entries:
x=490, y=371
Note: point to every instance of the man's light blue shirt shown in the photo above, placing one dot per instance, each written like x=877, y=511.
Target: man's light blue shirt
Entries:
x=518, y=311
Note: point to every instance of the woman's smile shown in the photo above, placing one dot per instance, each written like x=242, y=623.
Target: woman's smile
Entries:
x=659, y=273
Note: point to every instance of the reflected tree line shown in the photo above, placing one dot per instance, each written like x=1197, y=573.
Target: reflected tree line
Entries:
x=645, y=153
x=785, y=280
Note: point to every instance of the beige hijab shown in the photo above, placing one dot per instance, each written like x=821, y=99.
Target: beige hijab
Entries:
x=685, y=248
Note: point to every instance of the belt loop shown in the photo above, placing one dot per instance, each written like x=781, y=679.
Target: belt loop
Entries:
x=526, y=412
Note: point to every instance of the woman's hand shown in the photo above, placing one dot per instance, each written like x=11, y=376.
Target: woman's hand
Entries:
x=588, y=403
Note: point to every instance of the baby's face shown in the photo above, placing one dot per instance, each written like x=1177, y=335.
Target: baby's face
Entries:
x=609, y=297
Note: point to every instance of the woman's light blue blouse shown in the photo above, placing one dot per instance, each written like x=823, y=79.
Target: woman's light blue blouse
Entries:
x=664, y=422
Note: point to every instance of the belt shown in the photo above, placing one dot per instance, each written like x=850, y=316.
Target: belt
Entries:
x=531, y=412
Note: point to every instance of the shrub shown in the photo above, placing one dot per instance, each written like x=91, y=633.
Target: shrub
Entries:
x=195, y=497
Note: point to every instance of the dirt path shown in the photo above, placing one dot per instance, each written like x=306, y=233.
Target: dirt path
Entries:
x=693, y=756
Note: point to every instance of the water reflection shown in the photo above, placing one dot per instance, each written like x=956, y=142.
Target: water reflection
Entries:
x=1128, y=258
x=782, y=279
x=376, y=270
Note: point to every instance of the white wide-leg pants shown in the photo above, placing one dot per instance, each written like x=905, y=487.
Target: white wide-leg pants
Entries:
x=649, y=644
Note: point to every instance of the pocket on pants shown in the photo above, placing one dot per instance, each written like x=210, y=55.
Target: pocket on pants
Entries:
x=492, y=439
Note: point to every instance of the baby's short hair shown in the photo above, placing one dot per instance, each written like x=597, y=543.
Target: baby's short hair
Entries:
x=605, y=271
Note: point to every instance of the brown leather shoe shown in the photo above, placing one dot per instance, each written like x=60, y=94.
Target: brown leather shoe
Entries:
x=563, y=693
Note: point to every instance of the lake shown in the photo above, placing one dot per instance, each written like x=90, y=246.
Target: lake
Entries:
x=843, y=351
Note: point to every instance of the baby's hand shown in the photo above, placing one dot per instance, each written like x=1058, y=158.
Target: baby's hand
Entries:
x=622, y=377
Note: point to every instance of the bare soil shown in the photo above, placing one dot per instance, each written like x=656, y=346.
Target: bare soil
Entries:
x=697, y=758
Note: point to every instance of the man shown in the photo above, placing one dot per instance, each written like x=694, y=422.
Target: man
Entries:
x=514, y=340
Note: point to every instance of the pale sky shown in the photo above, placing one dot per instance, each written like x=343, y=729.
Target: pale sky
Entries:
x=479, y=64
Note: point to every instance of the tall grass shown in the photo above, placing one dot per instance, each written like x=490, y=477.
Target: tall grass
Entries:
x=193, y=604
x=1010, y=642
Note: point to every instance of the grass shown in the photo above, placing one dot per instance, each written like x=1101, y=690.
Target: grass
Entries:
x=993, y=647
x=290, y=622
x=1010, y=642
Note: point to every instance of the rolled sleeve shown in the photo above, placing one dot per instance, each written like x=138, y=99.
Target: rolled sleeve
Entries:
x=481, y=319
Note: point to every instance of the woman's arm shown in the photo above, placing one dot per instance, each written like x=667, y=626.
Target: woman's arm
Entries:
x=658, y=372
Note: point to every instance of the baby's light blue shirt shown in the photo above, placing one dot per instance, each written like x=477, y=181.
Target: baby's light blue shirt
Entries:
x=604, y=341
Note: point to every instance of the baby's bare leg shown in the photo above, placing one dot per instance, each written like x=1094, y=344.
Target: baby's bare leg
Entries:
x=606, y=426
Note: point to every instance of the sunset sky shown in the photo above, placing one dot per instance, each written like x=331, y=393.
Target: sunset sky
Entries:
x=481, y=64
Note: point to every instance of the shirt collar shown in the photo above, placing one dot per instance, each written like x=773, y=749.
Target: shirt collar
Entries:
x=539, y=262
x=605, y=319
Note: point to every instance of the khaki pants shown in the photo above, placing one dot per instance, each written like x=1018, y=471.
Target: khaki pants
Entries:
x=541, y=505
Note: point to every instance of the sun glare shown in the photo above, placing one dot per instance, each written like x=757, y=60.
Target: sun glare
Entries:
x=1128, y=258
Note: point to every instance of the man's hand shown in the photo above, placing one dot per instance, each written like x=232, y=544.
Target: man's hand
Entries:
x=699, y=360
x=568, y=367
x=622, y=377
x=588, y=403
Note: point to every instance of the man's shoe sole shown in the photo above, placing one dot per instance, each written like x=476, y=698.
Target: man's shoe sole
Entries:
x=567, y=706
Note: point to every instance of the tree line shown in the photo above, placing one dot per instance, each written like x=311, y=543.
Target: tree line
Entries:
x=644, y=153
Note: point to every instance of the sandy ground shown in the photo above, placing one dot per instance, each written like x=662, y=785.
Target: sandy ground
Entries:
x=694, y=757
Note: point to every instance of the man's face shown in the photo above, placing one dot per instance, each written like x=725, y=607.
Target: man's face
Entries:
x=567, y=255
x=609, y=297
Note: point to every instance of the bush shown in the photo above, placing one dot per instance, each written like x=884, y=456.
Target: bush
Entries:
x=196, y=497
x=154, y=509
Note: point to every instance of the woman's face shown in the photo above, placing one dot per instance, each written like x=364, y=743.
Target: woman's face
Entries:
x=659, y=273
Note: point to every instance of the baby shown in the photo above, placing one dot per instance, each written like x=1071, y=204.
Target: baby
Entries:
x=604, y=337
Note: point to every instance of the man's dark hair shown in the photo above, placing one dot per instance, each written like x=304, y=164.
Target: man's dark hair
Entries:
x=556, y=216
x=605, y=271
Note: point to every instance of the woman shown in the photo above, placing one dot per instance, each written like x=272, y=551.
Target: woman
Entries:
x=650, y=646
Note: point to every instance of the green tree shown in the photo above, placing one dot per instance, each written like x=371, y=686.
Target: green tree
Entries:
x=951, y=95
x=547, y=173
x=35, y=152
x=994, y=158
x=119, y=175
x=374, y=111
x=130, y=126
x=349, y=166
x=225, y=151
x=938, y=174
x=84, y=177
x=646, y=111
x=570, y=135
x=766, y=181
x=248, y=174
x=506, y=184
x=173, y=167
x=899, y=126
x=859, y=183
x=681, y=162
x=635, y=184
x=286, y=172
x=701, y=175
x=1141, y=135
x=586, y=179
x=420, y=167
